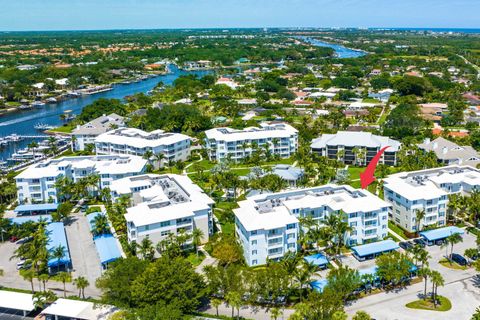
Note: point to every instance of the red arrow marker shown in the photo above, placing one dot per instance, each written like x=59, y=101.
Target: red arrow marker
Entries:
x=366, y=177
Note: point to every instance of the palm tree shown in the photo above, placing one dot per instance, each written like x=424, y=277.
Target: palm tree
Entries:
x=58, y=253
x=216, y=303
x=159, y=157
x=419, y=216
x=425, y=273
x=44, y=277
x=52, y=144
x=303, y=275
x=146, y=249
x=453, y=239
x=100, y=225
x=437, y=280
x=81, y=283
x=32, y=146
x=275, y=313
x=197, y=236
x=64, y=277
x=42, y=299
x=234, y=299
x=28, y=275
x=340, y=154
x=148, y=155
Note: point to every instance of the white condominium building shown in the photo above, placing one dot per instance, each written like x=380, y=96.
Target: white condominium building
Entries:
x=86, y=134
x=174, y=146
x=345, y=146
x=37, y=182
x=280, y=138
x=428, y=190
x=267, y=225
x=162, y=205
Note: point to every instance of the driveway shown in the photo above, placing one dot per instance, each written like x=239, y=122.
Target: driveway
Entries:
x=85, y=259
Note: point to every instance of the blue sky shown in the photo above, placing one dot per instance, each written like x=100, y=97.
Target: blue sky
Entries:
x=119, y=14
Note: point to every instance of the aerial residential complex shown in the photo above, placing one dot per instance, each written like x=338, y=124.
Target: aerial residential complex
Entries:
x=174, y=146
x=267, y=225
x=346, y=146
x=428, y=190
x=225, y=143
x=86, y=134
x=37, y=182
x=162, y=205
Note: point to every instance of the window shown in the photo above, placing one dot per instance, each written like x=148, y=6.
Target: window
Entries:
x=291, y=236
x=254, y=252
x=164, y=223
x=254, y=262
x=290, y=226
x=254, y=242
x=164, y=233
x=253, y=232
x=291, y=245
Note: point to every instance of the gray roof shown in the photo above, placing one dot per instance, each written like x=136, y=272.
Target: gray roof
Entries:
x=355, y=139
x=100, y=125
x=451, y=152
x=287, y=172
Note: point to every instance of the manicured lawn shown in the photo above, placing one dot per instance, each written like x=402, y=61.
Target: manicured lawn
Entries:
x=397, y=229
x=205, y=163
x=452, y=265
x=355, y=172
x=194, y=259
x=371, y=100
x=443, y=304
x=63, y=129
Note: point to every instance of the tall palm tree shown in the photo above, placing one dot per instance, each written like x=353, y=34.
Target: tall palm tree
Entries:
x=437, y=280
x=424, y=273
x=64, y=277
x=234, y=299
x=453, y=239
x=81, y=283
x=44, y=277
x=303, y=275
x=58, y=253
x=32, y=146
x=197, y=236
x=28, y=275
x=419, y=216
x=159, y=157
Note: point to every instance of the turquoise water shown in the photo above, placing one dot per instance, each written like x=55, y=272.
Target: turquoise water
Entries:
x=340, y=51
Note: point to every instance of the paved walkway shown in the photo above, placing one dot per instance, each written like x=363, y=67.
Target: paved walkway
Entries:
x=396, y=235
x=208, y=261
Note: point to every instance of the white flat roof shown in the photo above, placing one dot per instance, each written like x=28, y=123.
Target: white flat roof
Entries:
x=16, y=300
x=276, y=130
x=108, y=164
x=139, y=138
x=275, y=210
x=79, y=310
x=161, y=207
x=426, y=184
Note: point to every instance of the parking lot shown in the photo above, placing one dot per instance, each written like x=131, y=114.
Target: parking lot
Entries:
x=462, y=287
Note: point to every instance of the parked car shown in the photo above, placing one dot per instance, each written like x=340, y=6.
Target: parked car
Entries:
x=420, y=241
x=13, y=239
x=23, y=240
x=459, y=259
x=439, y=242
x=406, y=245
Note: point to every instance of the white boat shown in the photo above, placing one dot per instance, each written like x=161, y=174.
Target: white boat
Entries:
x=38, y=104
x=43, y=126
x=51, y=100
